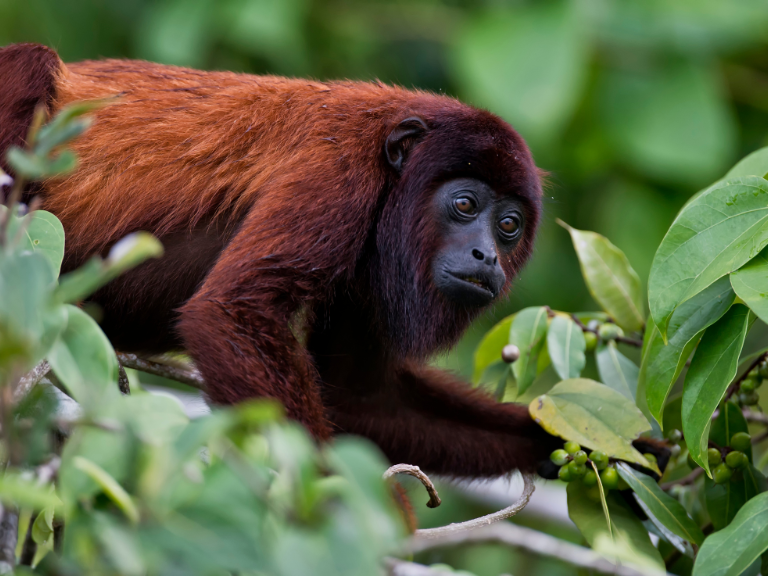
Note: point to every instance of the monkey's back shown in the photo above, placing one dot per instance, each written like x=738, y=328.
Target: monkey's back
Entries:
x=179, y=148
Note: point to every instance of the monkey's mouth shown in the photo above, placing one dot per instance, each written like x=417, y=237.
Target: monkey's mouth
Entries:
x=475, y=281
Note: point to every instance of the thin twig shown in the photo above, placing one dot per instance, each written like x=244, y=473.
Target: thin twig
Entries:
x=736, y=384
x=122, y=380
x=30, y=380
x=415, y=471
x=528, y=488
x=9, y=534
x=685, y=480
x=397, y=567
x=530, y=541
x=186, y=375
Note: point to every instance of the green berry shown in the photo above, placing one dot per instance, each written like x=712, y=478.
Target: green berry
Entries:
x=591, y=339
x=593, y=493
x=736, y=459
x=610, y=479
x=691, y=462
x=762, y=370
x=565, y=474
x=748, y=398
x=590, y=478
x=748, y=385
x=600, y=459
x=675, y=436
x=741, y=441
x=559, y=457
x=572, y=447
x=609, y=331
x=580, y=457
x=721, y=474
x=623, y=484
x=713, y=456
x=650, y=457
x=577, y=470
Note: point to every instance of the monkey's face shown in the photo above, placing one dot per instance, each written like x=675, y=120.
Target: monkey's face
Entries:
x=478, y=230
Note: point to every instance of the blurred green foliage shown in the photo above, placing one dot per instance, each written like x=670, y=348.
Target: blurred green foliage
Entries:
x=631, y=105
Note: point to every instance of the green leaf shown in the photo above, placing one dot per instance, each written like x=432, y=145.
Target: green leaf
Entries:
x=528, y=65
x=24, y=491
x=712, y=368
x=665, y=509
x=127, y=253
x=528, y=332
x=662, y=364
x=754, y=164
x=489, y=350
x=566, y=345
x=42, y=529
x=44, y=234
x=616, y=370
x=629, y=541
x=593, y=415
x=610, y=278
x=733, y=549
x=83, y=359
x=714, y=235
x=668, y=118
x=750, y=282
x=109, y=486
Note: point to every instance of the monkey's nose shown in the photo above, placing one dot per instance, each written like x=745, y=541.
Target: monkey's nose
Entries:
x=490, y=259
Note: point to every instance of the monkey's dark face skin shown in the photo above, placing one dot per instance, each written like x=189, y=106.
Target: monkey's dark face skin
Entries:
x=479, y=228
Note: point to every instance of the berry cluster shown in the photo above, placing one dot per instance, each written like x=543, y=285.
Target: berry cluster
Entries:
x=573, y=466
x=735, y=458
x=597, y=331
x=748, y=388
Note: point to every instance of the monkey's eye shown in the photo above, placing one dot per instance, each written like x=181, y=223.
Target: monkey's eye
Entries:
x=465, y=205
x=509, y=226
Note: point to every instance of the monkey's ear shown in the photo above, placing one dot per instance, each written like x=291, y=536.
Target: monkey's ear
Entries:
x=401, y=138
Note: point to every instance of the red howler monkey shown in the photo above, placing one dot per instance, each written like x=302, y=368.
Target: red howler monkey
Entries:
x=322, y=239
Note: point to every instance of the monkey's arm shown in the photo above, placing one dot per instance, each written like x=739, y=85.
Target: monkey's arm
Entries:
x=431, y=419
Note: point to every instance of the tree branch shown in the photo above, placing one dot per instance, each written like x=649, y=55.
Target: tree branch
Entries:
x=415, y=471
x=30, y=380
x=508, y=512
x=529, y=541
x=183, y=373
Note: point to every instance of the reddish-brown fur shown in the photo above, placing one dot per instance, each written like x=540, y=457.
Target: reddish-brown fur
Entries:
x=297, y=259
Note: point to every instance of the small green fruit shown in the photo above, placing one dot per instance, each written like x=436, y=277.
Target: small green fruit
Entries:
x=599, y=458
x=565, y=474
x=675, y=436
x=741, y=441
x=721, y=474
x=559, y=457
x=577, y=470
x=749, y=398
x=590, y=478
x=610, y=479
x=714, y=457
x=593, y=493
x=572, y=447
x=609, y=331
x=748, y=385
x=623, y=484
x=736, y=460
x=650, y=457
x=762, y=370
x=580, y=457
x=591, y=339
